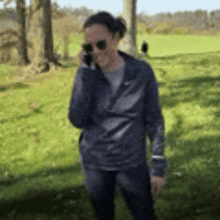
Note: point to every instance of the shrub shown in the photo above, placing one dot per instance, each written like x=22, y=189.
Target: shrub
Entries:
x=141, y=28
x=63, y=28
x=164, y=27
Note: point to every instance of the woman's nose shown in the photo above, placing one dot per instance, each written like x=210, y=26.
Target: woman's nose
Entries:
x=95, y=50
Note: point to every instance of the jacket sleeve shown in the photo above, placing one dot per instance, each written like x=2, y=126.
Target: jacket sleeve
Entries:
x=82, y=97
x=155, y=126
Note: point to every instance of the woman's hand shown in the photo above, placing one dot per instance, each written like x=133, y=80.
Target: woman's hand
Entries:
x=81, y=56
x=157, y=182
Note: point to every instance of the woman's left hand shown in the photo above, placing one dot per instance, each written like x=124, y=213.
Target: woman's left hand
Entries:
x=157, y=182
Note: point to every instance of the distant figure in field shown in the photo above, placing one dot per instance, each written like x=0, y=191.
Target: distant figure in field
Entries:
x=144, y=47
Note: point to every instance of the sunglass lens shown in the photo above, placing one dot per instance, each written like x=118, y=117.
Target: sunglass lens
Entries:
x=101, y=45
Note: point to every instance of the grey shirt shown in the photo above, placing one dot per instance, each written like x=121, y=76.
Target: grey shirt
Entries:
x=115, y=78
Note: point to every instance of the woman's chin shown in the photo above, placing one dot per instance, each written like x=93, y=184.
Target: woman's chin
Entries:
x=102, y=65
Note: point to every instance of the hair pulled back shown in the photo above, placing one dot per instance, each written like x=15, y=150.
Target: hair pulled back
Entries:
x=113, y=25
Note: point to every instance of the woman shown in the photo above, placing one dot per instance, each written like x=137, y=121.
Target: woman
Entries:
x=115, y=103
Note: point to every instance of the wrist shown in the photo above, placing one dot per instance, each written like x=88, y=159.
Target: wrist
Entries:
x=158, y=157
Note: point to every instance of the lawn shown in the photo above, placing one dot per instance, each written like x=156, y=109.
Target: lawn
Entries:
x=167, y=45
x=40, y=176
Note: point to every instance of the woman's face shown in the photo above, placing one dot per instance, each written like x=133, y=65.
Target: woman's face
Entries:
x=104, y=58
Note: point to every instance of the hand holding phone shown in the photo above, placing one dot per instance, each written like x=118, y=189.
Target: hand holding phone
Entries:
x=87, y=59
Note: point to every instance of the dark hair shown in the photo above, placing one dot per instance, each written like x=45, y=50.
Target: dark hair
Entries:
x=114, y=25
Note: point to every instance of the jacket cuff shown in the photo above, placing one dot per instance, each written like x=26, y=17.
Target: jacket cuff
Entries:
x=158, y=167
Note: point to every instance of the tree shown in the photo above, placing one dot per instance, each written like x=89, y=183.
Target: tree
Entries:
x=201, y=19
x=7, y=2
x=41, y=31
x=22, y=40
x=129, y=14
x=161, y=17
x=57, y=12
x=215, y=18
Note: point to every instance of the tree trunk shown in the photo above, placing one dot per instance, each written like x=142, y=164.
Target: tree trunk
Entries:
x=129, y=14
x=41, y=32
x=22, y=40
x=48, y=33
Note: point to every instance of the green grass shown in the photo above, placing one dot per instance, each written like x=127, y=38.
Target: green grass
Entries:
x=167, y=45
x=40, y=174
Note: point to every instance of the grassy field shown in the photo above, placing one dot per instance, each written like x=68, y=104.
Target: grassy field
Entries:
x=166, y=45
x=163, y=45
x=40, y=176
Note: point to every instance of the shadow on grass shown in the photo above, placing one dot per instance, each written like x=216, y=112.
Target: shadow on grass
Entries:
x=197, y=90
x=67, y=203
x=15, y=119
x=17, y=85
x=72, y=201
x=192, y=190
x=52, y=203
x=69, y=64
x=188, y=196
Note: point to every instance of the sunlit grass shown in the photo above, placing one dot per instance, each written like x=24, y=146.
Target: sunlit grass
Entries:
x=165, y=45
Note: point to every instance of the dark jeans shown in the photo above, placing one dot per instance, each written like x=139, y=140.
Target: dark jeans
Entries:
x=135, y=188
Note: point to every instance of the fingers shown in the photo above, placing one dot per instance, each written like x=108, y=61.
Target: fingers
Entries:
x=156, y=187
x=153, y=188
x=82, y=53
x=81, y=56
x=158, y=190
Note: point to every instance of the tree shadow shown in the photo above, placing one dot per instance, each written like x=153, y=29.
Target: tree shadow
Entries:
x=69, y=200
x=66, y=202
x=196, y=89
x=193, y=171
x=69, y=64
x=12, y=86
x=20, y=117
x=51, y=203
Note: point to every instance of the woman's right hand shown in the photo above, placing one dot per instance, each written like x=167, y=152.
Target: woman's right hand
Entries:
x=81, y=56
x=90, y=59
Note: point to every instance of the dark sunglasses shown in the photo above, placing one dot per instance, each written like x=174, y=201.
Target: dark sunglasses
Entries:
x=100, y=44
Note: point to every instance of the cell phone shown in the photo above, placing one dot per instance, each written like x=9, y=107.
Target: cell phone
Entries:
x=87, y=59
